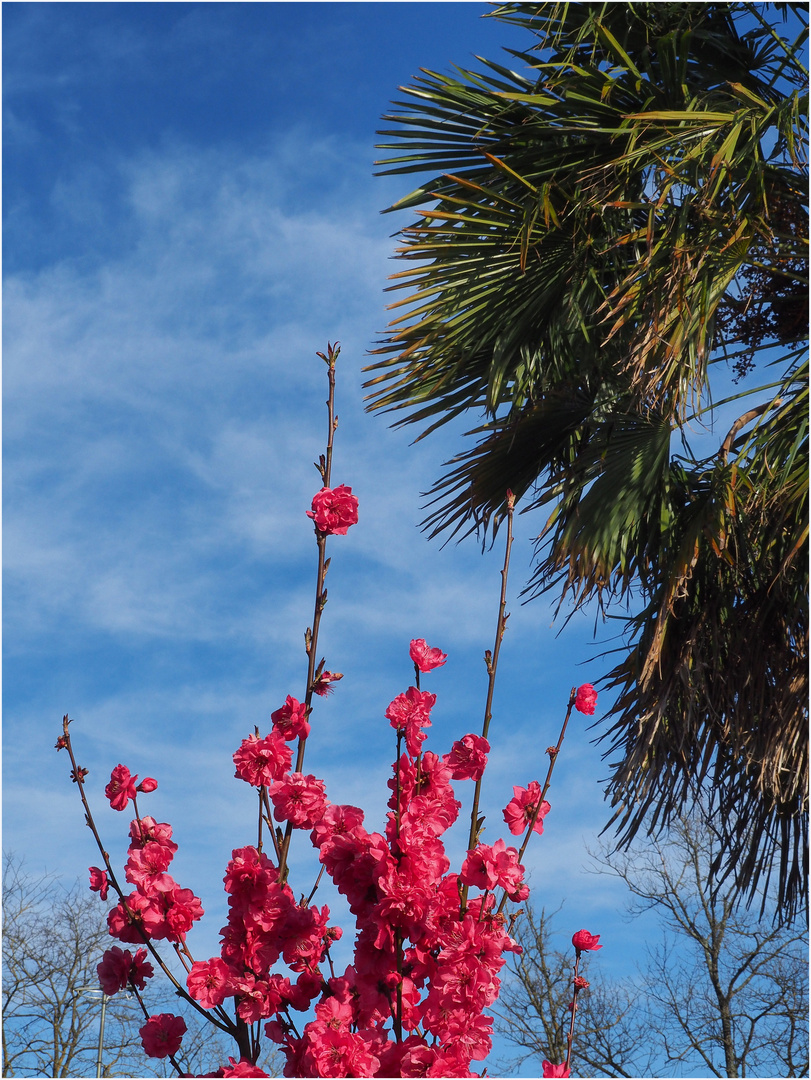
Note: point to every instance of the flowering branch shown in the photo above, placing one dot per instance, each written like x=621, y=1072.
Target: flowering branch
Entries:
x=427, y=953
x=107, y=877
x=491, y=660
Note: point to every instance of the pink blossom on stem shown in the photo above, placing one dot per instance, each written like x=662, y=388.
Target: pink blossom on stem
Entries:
x=291, y=720
x=303, y=937
x=424, y=656
x=183, y=909
x=586, y=699
x=299, y=799
x=323, y=684
x=468, y=757
x=121, y=787
x=243, y=1067
x=209, y=982
x=489, y=867
x=118, y=969
x=258, y=998
x=334, y=510
x=124, y=924
x=337, y=821
x=146, y=868
x=261, y=761
x=114, y=970
x=409, y=713
x=162, y=1035
x=148, y=831
x=141, y=969
x=583, y=941
x=555, y=1070
x=249, y=875
x=147, y=784
x=339, y=1053
x=99, y=882
x=519, y=810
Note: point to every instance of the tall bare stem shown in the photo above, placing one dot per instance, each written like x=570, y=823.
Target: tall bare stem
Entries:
x=324, y=466
x=491, y=660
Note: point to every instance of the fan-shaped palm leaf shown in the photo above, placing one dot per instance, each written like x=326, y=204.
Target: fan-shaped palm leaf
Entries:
x=600, y=230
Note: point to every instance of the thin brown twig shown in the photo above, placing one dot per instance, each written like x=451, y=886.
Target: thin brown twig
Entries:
x=78, y=775
x=491, y=660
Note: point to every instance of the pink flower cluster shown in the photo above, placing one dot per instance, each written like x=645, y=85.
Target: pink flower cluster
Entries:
x=521, y=809
x=123, y=787
x=158, y=908
x=120, y=969
x=427, y=954
x=430, y=943
x=426, y=964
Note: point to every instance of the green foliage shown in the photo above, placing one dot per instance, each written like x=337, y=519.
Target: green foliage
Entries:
x=606, y=237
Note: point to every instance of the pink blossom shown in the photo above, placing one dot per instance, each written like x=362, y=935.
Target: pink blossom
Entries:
x=248, y=875
x=337, y=821
x=127, y=923
x=261, y=761
x=323, y=684
x=114, y=970
x=148, y=831
x=258, y=999
x=409, y=712
x=209, y=982
x=334, y=510
x=121, y=787
x=334, y=1013
x=488, y=867
x=243, y=1067
x=583, y=941
x=291, y=720
x=339, y=1053
x=555, y=1070
x=183, y=909
x=147, y=784
x=586, y=699
x=299, y=799
x=468, y=757
x=99, y=882
x=426, y=787
x=141, y=969
x=425, y=657
x=146, y=868
x=519, y=810
x=119, y=969
x=302, y=937
x=162, y=1035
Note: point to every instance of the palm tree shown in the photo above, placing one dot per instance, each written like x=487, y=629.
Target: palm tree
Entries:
x=610, y=266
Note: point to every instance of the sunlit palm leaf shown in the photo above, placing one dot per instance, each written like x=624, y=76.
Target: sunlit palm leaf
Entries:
x=600, y=227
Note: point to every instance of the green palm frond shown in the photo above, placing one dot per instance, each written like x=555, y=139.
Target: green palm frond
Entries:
x=603, y=225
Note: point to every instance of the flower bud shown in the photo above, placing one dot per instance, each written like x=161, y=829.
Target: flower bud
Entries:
x=586, y=699
x=583, y=941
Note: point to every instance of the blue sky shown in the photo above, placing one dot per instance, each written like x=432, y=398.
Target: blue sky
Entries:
x=190, y=213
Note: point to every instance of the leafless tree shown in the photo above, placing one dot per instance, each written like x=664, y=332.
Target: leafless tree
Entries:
x=727, y=988
x=53, y=939
x=724, y=990
x=534, y=1008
